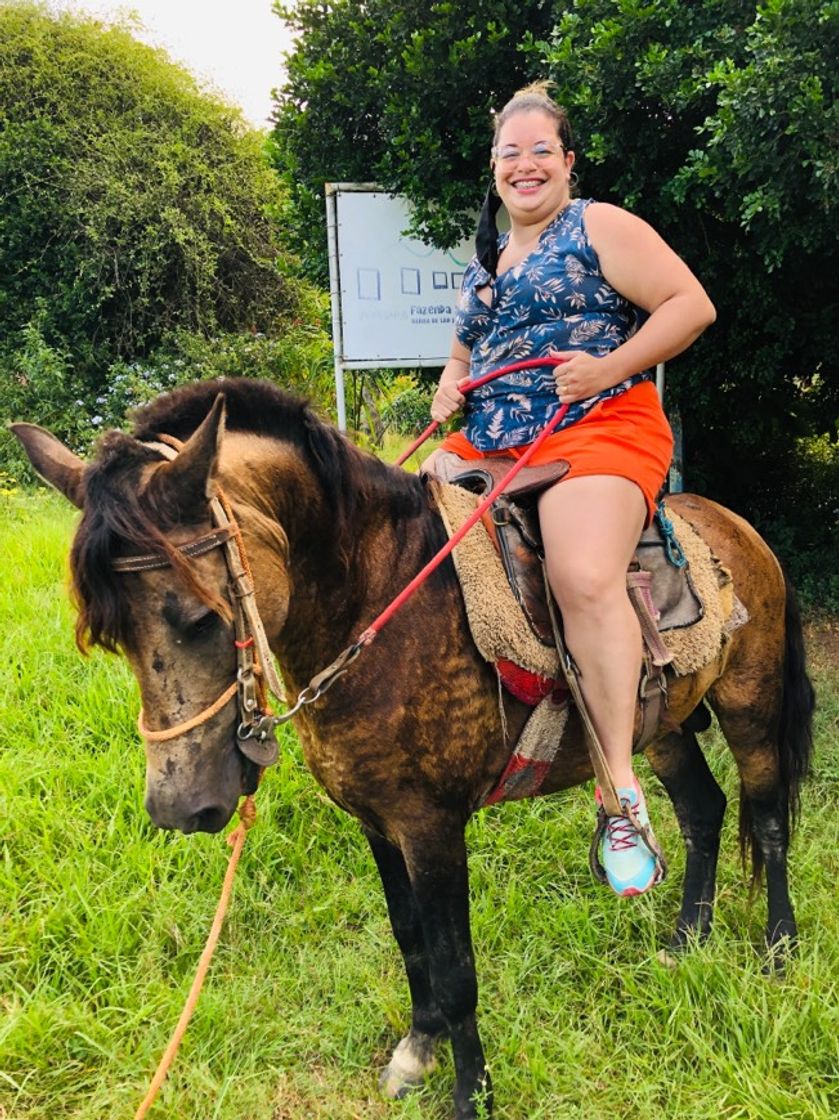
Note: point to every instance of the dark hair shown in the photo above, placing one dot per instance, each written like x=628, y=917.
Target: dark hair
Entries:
x=535, y=98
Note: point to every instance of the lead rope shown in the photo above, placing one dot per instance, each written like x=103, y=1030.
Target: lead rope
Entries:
x=236, y=840
x=243, y=588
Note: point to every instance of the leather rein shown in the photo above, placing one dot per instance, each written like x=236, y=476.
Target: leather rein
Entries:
x=255, y=670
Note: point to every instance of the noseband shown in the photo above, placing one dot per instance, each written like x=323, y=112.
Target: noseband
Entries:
x=255, y=671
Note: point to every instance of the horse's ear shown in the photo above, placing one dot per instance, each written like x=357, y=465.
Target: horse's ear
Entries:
x=188, y=479
x=54, y=462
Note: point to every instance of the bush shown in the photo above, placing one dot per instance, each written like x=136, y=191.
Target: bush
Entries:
x=134, y=204
x=38, y=384
x=805, y=533
x=139, y=236
x=408, y=412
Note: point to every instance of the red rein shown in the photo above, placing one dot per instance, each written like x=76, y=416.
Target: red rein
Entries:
x=467, y=386
x=373, y=629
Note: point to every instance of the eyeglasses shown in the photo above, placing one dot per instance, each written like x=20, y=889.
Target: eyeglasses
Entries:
x=541, y=151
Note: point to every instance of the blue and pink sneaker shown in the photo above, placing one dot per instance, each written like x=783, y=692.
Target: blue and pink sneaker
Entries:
x=630, y=861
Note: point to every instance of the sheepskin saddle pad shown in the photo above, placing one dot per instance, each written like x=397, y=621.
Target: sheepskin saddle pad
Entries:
x=695, y=602
x=688, y=603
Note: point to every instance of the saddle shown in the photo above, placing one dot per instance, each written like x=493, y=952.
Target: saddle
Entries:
x=659, y=583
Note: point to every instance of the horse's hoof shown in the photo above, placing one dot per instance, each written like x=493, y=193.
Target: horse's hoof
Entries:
x=667, y=959
x=479, y=1104
x=412, y=1060
x=780, y=949
x=685, y=937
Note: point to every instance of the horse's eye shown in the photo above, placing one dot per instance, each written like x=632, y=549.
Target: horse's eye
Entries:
x=202, y=626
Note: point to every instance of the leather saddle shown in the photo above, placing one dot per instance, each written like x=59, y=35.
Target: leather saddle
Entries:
x=658, y=580
x=512, y=523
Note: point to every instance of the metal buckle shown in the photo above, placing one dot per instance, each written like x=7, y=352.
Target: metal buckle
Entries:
x=257, y=741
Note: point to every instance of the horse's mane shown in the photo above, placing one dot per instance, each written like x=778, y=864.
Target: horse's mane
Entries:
x=118, y=519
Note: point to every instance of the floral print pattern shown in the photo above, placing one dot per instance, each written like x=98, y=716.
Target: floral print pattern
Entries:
x=555, y=299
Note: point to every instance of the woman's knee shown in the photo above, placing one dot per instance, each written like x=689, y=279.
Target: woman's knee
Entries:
x=589, y=587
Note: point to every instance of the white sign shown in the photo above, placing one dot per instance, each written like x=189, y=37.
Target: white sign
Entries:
x=395, y=295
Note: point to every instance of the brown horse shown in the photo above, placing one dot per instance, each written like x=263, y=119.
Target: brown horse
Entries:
x=409, y=740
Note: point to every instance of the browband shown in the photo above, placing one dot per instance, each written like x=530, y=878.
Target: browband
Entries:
x=198, y=547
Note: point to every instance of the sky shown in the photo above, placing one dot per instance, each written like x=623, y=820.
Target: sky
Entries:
x=234, y=45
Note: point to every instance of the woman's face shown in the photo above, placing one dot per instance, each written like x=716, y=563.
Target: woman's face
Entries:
x=531, y=168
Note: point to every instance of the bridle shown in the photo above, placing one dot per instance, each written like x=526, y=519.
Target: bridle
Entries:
x=255, y=671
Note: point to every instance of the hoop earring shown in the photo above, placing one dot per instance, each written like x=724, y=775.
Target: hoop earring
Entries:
x=493, y=189
x=573, y=180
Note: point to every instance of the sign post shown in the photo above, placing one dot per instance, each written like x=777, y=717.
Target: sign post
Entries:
x=393, y=297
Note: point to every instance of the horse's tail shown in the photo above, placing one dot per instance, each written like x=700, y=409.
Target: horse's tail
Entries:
x=795, y=733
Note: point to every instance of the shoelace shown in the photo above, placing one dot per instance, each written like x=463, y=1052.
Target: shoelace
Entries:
x=622, y=836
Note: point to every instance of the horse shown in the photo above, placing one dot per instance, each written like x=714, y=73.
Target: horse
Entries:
x=410, y=738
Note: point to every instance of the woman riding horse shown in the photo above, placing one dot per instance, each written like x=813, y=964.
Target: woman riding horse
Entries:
x=410, y=739
x=595, y=286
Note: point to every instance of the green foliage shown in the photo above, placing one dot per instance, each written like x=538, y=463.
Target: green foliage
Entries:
x=408, y=411
x=400, y=94
x=384, y=402
x=773, y=131
x=39, y=389
x=807, y=540
x=139, y=243
x=134, y=204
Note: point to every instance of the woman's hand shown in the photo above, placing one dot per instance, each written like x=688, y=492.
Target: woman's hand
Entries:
x=447, y=401
x=580, y=376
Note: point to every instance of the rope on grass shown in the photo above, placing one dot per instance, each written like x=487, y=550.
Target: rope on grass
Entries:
x=236, y=839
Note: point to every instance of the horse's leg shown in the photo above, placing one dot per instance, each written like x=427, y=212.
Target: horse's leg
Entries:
x=765, y=706
x=767, y=818
x=679, y=764
x=436, y=861
x=413, y=1058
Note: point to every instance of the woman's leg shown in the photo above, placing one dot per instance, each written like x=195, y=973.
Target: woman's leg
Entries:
x=590, y=528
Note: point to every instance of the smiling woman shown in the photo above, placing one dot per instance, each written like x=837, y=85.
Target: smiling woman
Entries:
x=596, y=287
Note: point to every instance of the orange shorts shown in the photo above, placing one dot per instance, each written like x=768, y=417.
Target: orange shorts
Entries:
x=627, y=435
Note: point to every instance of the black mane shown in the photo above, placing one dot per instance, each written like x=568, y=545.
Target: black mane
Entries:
x=118, y=519
x=251, y=406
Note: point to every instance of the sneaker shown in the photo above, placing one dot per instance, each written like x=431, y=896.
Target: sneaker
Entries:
x=631, y=866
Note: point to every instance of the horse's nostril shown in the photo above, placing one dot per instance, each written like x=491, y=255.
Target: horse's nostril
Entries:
x=211, y=819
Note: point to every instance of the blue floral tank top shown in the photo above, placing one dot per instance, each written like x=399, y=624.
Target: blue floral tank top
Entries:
x=555, y=299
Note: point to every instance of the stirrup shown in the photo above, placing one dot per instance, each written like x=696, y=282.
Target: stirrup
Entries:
x=644, y=831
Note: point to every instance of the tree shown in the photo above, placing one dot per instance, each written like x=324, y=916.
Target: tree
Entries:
x=133, y=203
x=716, y=121
x=139, y=236
x=396, y=93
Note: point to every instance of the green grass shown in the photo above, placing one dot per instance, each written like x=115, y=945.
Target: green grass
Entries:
x=102, y=920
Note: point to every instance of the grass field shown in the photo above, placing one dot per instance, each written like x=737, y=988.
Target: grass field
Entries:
x=102, y=920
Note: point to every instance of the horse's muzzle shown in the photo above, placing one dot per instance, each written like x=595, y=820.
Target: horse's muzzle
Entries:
x=210, y=817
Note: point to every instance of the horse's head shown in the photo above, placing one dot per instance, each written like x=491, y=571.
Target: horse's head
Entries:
x=175, y=618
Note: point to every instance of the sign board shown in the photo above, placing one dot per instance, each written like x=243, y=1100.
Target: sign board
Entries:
x=393, y=296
